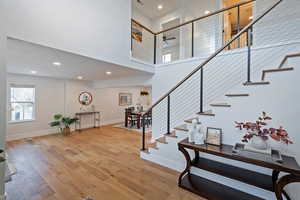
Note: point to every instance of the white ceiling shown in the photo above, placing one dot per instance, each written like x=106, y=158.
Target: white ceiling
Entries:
x=149, y=7
x=25, y=57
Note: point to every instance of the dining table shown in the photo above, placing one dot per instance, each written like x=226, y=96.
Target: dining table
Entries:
x=138, y=115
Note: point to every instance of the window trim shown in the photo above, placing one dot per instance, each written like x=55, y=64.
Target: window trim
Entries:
x=19, y=85
x=168, y=53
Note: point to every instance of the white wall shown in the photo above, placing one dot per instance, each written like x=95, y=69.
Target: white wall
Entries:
x=55, y=96
x=280, y=25
x=143, y=50
x=50, y=100
x=2, y=101
x=108, y=102
x=97, y=29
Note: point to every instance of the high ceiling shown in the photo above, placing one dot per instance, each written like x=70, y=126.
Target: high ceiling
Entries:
x=149, y=7
x=32, y=59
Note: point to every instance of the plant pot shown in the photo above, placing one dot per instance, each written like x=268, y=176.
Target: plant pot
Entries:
x=258, y=142
x=66, y=131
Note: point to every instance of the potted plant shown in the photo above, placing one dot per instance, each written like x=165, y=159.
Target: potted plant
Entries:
x=257, y=133
x=63, y=123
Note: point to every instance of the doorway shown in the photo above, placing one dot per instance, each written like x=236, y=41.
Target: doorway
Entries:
x=235, y=20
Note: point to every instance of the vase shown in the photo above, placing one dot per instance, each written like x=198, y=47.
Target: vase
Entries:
x=258, y=142
x=199, y=137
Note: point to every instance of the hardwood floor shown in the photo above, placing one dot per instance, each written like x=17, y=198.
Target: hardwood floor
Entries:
x=103, y=164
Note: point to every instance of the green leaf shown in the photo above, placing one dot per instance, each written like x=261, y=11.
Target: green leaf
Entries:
x=55, y=123
x=57, y=117
x=67, y=121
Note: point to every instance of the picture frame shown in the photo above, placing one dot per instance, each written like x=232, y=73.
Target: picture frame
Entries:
x=137, y=32
x=125, y=99
x=214, y=136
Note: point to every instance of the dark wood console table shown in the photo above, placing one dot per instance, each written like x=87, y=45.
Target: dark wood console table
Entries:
x=216, y=191
x=95, y=116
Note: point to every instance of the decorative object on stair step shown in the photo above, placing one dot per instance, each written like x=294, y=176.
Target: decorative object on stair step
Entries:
x=199, y=135
x=193, y=130
x=257, y=134
x=214, y=136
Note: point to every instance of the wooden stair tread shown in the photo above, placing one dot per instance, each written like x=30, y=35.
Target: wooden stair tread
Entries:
x=237, y=95
x=161, y=140
x=256, y=83
x=287, y=57
x=190, y=120
x=182, y=128
x=275, y=70
x=206, y=113
x=146, y=151
x=220, y=105
x=279, y=69
x=152, y=145
x=172, y=134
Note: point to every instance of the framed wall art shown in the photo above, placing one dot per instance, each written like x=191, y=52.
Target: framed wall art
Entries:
x=125, y=99
x=214, y=136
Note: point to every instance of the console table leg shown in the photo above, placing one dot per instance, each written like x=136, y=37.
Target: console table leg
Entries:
x=196, y=156
x=275, y=175
x=188, y=164
x=283, y=181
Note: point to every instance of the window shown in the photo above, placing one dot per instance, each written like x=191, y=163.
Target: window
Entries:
x=21, y=103
x=167, y=58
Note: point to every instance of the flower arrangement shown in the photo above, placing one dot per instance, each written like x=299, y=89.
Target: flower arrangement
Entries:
x=259, y=128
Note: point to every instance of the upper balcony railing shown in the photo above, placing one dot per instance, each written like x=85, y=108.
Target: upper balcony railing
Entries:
x=194, y=38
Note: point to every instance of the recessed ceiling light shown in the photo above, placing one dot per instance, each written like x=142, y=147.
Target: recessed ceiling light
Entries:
x=56, y=63
x=159, y=7
x=79, y=77
x=251, y=17
x=207, y=12
x=108, y=73
x=33, y=72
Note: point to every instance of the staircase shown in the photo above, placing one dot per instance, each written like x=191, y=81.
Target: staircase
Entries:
x=164, y=151
x=180, y=131
x=230, y=107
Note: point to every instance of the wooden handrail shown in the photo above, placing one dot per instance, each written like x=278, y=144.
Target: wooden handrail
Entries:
x=193, y=20
x=144, y=27
x=205, y=16
x=214, y=55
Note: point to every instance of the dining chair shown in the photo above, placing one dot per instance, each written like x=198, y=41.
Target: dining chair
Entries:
x=132, y=118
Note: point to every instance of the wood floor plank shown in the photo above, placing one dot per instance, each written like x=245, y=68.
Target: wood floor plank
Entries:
x=103, y=164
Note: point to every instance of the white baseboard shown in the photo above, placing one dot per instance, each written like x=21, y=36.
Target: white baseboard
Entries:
x=18, y=136
x=114, y=121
